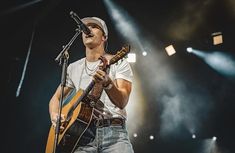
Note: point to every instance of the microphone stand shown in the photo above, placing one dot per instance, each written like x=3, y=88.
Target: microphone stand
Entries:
x=62, y=59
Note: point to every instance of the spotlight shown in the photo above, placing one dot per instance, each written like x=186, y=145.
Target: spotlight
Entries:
x=214, y=138
x=131, y=57
x=135, y=135
x=170, y=50
x=189, y=49
x=194, y=136
x=151, y=137
x=217, y=38
x=144, y=53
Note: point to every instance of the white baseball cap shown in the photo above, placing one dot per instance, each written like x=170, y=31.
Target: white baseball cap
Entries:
x=97, y=21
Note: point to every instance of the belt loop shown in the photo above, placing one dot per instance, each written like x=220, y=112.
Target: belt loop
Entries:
x=124, y=123
x=98, y=122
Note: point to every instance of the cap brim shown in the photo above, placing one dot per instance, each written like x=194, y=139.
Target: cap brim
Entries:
x=91, y=20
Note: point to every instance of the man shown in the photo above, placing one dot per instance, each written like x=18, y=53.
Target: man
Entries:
x=107, y=132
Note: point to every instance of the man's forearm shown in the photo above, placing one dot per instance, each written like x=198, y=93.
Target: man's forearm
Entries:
x=53, y=105
x=119, y=97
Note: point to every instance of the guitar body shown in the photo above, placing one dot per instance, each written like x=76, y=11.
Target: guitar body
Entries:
x=74, y=128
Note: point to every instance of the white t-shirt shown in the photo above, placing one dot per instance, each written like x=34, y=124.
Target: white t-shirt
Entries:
x=79, y=77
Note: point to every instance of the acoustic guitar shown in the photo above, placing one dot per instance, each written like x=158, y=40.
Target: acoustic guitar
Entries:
x=78, y=115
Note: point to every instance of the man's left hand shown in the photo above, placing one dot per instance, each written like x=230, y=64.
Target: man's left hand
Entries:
x=102, y=77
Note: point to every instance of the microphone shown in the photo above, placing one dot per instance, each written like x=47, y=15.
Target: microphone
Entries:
x=83, y=27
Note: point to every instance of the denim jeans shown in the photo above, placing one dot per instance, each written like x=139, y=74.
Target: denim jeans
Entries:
x=111, y=139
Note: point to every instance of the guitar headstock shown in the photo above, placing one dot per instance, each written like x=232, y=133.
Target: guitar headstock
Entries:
x=120, y=54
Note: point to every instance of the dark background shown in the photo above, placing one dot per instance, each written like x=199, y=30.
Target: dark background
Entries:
x=25, y=119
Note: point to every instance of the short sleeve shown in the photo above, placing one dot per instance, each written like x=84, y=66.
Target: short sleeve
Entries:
x=123, y=70
x=69, y=82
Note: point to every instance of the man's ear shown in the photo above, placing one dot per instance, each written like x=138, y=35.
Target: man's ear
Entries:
x=104, y=38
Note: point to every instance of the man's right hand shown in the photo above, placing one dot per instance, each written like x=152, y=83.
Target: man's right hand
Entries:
x=54, y=117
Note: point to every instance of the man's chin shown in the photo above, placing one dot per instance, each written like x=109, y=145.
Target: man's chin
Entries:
x=90, y=45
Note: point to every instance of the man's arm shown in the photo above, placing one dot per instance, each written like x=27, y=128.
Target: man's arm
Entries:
x=54, y=103
x=118, y=90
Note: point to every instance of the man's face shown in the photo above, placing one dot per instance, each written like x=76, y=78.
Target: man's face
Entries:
x=96, y=37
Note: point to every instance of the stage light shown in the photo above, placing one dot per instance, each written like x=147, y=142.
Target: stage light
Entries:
x=214, y=138
x=151, y=137
x=131, y=57
x=217, y=38
x=20, y=7
x=144, y=53
x=194, y=136
x=170, y=50
x=135, y=135
x=222, y=62
x=189, y=49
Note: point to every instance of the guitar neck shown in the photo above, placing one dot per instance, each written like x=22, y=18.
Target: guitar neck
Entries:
x=84, y=94
x=89, y=88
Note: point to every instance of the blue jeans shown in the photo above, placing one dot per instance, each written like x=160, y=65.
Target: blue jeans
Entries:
x=111, y=139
